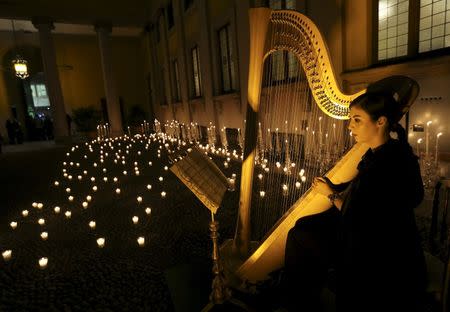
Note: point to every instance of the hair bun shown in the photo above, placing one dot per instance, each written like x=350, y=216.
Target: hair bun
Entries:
x=404, y=91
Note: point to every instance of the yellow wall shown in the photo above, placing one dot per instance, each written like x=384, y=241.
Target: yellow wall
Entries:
x=80, y=73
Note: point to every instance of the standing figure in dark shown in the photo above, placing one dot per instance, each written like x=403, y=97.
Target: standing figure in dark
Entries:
x=11, y=131
x=48, y=128
x=369, y=236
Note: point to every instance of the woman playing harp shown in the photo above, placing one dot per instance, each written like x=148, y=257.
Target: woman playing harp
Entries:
x=369, y=235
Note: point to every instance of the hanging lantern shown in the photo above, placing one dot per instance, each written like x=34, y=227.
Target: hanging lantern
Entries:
x=20, y=67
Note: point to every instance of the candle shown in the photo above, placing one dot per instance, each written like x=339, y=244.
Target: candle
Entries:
x=297, y=184
x=13, y=225
x=92, y=224
x=163, y=194
x=44, y=235
x=419, y=141
x=7, y=254
x=436, y=148
x=262, y=194
x=41, y=221
x=101, y=242
x=139, y=199
x=285, y=189
x=68, y=214
x=85, y=205
x=24, y=213
x=43, y=262
x=141, y=241
x=148, y=210
x=427, y=137
x=57, y=209
x=135, y=219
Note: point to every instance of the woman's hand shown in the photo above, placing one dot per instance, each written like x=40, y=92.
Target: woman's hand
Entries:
x=321, y=186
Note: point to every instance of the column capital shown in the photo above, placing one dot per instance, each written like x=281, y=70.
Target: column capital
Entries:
x=103, y=26
x=43, y=23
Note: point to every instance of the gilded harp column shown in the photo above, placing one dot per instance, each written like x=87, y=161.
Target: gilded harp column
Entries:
x=259, y=24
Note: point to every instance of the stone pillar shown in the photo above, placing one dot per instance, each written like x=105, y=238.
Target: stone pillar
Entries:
x=112, y=99
x=61, y=130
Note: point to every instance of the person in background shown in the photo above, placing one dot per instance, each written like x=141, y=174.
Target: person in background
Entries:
x=369, y=236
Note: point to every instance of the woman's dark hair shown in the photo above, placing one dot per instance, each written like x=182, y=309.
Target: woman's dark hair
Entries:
x=382, y=104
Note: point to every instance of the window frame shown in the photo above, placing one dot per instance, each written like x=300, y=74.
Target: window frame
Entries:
x=196, y=93
x=229, y=68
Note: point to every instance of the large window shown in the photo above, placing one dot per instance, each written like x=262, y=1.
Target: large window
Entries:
x=196, y=72
x=227, y=59
x=176, y=82
x=282, y=4
x=399, y=21
x=434, y=25
x=282, y=67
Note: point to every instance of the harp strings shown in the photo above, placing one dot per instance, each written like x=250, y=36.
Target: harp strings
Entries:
x=296, y=140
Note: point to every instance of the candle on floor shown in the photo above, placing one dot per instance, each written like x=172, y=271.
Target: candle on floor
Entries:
x=135, y=219
x=7, y=254
x=13, y=225
x=57, y=209
x=92, y=224
x=68, y=214
x=44, y=235
x=43, y=262
x=141, y=241
x=41, y=221
x=148, y=210
x=101, y=242
x=24, y=213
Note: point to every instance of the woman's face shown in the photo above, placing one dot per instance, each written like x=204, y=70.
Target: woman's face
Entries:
x=363, y=128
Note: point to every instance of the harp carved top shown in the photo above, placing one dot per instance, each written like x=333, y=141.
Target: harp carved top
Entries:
x=296, y=33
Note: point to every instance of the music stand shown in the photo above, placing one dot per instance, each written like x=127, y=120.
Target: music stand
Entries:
x=201, y=175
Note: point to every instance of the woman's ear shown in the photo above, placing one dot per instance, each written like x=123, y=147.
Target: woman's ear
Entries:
x=382, y=120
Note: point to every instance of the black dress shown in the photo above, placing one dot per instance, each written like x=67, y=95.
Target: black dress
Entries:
x=380, y=262
x=373, y=242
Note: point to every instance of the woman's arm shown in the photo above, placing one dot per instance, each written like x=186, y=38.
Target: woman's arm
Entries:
x=322, y=187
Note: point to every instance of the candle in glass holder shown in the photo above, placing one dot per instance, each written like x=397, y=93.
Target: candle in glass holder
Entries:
x=43, y=262
x=141, y=241
x=101, y=242
x=13, y=225
x=135, y=219
x=92, y=224
x=44, y=235
x=7, y=254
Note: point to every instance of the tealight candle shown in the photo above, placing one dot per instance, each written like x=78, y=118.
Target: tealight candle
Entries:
x=148, y=210
x=262, y=193
x=68, y=214
x=115, y=179
x=24, y=213
x=303, y=178
x=92, y=179
x=92, y=224
x=69, y=177
x=94, y=188
x=7, y=254
x=166, y=168
x=70, y=198
x=57, y=209
x=117, y=190
x=161, y=179
x=34, y=205
x=124, y=172
x=44, y=235
x=141, y=241
x=139, y=199
x=68, y=190
x=85, y=204
x=89, y=198
x=135, y=219
x=297, y=184
x=56, y=183
x=41, y=221
x=101, y=242
x=40, y=205
x=13, y=225
x=43, y=262
x=80, y=177
x=105, y=179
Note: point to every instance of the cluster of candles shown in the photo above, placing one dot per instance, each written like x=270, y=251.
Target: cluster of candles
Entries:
x=428, y=141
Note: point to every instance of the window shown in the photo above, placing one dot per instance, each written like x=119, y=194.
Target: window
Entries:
x=392, y=28
x=434, y=25
x=282, y=66
x=176, y=78
x=282, y=4
x=196, y=72
x=163, y=88
x=170, y=19
x=39, y=94
x=398, y=22
x=227, y=59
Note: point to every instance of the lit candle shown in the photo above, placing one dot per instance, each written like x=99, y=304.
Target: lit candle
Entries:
x=92, y=224
x=262, y=194
x=24, y=213
x=101, y=242
x=57, y=209
x=89, y=198
x=149, y=186
x=163, y=194
x=148, y=210
x=43, y=262
x=44, y=235
x=141, y=241
x=419, y=141
x=135, y=219
x=285, y=189
x=94, y=188
x=56, y=183
x=7, y=254
x=41, y=221
x=436, y=148
x=297, y=184
x=13, y=225
x=85, y=205
x=68, y=214
x=427, y=136
x=139, y=199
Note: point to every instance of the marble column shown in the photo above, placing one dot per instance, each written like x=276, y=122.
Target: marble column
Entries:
x=61, y=130
x=112, y=99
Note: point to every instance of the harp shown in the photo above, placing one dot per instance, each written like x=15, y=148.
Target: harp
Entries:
x=290, y=31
